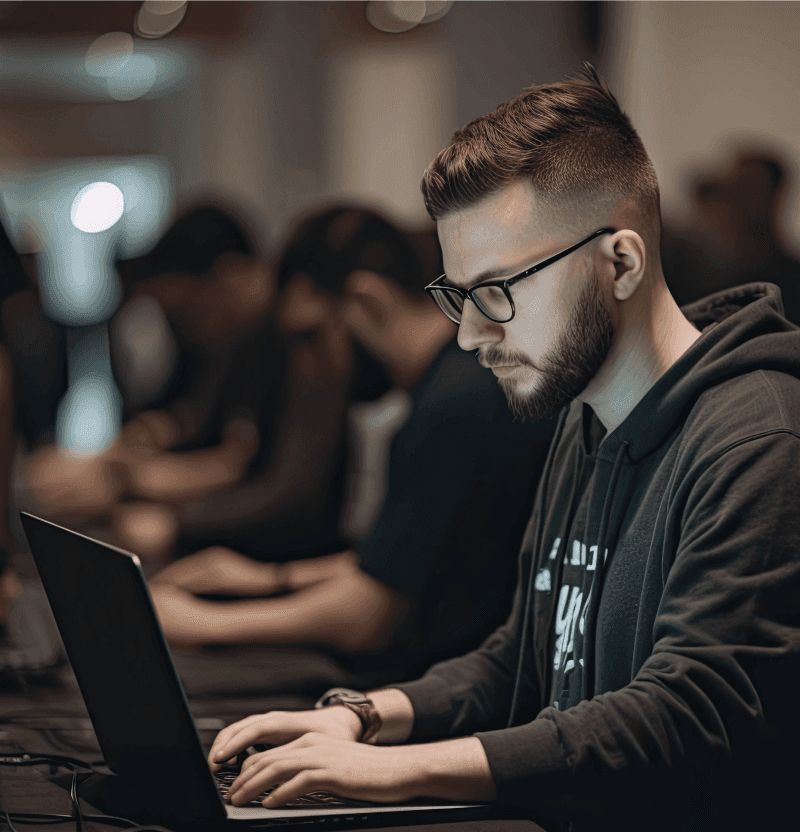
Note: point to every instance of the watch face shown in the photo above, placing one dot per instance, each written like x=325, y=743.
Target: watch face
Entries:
x=354, y=697
x=339, y=696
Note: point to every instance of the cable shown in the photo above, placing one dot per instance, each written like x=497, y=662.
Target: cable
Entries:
x=77, y=767
x=80, y=771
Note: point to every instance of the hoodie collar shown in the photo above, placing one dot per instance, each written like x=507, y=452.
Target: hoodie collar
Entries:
x=743, y=330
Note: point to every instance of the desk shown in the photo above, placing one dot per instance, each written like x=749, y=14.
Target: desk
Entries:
x=61, y=707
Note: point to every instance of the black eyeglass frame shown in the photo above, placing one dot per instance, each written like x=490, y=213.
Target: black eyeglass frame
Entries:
x=507, y=283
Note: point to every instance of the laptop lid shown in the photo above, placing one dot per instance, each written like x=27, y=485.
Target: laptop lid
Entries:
x=121, y=661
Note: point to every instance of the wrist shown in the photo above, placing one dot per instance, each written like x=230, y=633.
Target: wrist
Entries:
x=455, y=770
x=349, y=720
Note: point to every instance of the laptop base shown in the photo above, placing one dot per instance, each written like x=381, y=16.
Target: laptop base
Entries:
x=111, y=795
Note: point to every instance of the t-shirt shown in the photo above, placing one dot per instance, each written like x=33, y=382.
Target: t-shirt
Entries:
x=462, y=473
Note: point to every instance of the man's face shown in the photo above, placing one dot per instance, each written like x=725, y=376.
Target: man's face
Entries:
x=561, y=333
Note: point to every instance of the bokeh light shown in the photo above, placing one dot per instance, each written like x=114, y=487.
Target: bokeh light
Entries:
x=135, y=77
x=108, y=54
x=89, y=415
x=97, y=207
x=157, y=18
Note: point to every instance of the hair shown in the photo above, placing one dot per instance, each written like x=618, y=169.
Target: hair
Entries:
x=774, y=166
x=331, y=244
x=192, y=245
x=568, y=139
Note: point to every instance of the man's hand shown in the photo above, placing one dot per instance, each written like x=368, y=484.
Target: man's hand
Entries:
x=221, y=570
x=280, y=727
x=453, y=770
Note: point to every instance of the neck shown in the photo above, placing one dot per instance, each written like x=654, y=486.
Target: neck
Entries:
x=652, y=339
x=421, y=333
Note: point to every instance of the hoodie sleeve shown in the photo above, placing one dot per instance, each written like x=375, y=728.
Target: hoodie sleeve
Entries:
x=713, y=703
x=463, y=695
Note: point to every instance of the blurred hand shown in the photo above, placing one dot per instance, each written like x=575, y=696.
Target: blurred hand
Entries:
x=280, y=727
x=186, y=620
x=219, y=569
x=60, y=484
x=150, y=432
x=148, y=529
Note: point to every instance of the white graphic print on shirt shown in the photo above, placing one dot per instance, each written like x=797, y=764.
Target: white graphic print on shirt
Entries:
x=571, y=606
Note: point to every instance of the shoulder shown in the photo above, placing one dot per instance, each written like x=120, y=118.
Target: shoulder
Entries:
x=752, y=406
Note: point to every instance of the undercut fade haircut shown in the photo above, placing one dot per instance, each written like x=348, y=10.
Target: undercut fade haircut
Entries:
x=570, y=139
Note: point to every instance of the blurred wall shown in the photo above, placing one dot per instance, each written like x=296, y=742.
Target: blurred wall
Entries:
x=316, y=105
x=696, y=77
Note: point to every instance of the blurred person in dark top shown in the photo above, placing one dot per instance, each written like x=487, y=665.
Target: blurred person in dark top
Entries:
x=732, y=235
x=427, y=581
x=238, y=450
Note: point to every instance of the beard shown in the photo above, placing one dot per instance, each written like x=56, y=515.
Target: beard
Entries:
x=572, y=364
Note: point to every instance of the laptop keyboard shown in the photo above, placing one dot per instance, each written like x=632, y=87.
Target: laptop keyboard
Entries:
x=318, y=799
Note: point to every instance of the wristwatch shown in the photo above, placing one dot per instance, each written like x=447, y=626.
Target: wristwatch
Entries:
x=360, y=704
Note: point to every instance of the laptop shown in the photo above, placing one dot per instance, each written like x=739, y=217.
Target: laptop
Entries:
x=158, y=767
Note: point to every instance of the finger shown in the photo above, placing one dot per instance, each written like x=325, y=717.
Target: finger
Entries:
x=218, y=766
x=256, y=763
x=229, y=737
x=303, y=783
x=261, y=777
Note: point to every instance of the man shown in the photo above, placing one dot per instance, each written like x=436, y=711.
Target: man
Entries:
x=436, y=574
x=644, y=679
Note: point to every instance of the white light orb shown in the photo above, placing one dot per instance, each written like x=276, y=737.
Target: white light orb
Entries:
x=97, y=207
x=133, y=79
x=156, y=19
x=395, y=15
x=108, y=53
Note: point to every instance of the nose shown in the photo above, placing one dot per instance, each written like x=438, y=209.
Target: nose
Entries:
x=476, y=329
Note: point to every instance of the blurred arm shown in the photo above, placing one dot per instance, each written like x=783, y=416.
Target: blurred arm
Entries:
x=306, y=450
x=346, y=610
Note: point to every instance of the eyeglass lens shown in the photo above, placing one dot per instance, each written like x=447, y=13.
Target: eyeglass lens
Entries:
x=491, y=300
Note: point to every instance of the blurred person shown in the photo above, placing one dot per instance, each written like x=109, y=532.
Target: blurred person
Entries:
x=643, y=679
x=189, y=305
x=732, y=235
x=297, y=375
x=427, y=581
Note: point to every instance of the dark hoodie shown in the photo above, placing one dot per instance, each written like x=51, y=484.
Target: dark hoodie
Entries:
x=655, y=687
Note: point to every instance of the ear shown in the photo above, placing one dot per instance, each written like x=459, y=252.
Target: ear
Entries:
x=625, y=253
x=372, y=294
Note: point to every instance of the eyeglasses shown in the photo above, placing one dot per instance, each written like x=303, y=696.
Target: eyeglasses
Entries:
x=493, y=297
